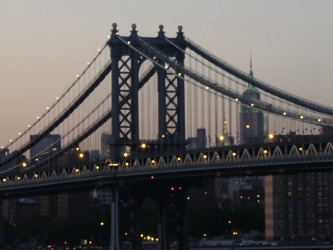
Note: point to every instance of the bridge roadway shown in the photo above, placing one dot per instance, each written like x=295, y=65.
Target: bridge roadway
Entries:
x=149, y=166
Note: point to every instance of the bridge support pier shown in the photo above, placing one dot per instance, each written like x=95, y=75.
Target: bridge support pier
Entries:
x=162, y=225
x=130, y=203
x=1, y=225
x=172, y=227
x=114, y=237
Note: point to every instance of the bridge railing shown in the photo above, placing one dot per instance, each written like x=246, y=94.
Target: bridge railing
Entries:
x=225, y=161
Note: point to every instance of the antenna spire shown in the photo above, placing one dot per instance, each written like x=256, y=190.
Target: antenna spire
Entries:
x=250, y=86
x=250, y=61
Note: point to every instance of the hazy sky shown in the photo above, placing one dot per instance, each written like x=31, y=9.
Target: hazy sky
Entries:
x=44, y=44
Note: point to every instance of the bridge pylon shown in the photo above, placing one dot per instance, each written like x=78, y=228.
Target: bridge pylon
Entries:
x=1, y=225
x=166, y=201
x=127, y=56
x=172, y=223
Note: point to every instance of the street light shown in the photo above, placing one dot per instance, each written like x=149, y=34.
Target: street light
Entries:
x=101, y=224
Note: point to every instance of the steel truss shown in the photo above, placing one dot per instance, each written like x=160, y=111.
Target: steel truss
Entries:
x=127, y=55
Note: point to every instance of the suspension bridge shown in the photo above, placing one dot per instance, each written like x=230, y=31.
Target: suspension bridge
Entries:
x=154, y=112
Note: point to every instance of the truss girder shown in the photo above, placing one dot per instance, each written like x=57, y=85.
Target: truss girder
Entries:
x=172, y=116
x=171, y=104
x=127, y=108
x=227, y=157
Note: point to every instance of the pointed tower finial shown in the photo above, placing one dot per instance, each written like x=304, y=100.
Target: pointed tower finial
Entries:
x=250, y=61
x=250, y=86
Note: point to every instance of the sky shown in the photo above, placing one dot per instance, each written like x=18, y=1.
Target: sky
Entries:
x=45, y=44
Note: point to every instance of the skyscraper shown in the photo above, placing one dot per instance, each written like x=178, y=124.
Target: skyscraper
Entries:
x=251, y=119
x=299, y=207
x=106, y=146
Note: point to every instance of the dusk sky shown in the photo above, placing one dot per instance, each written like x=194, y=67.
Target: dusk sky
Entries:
x=45, y=44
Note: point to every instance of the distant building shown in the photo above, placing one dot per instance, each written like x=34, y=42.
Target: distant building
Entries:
x=244, y=190
x=201, y=138
x=102, y=196
x=95, y=155
x=20, y=210
x=200, y=141
x=251, y=119
x=65, y=206
x=25, y=209
x=106, y=145
x=225, y=139
x=299, y=207
x=203, y=195
x=3, y=153
x=234, y=192
x=47, y=145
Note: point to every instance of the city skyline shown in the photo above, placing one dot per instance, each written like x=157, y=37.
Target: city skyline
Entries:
x=45, y=45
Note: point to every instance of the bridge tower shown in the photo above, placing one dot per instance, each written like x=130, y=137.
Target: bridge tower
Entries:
x=127, y=55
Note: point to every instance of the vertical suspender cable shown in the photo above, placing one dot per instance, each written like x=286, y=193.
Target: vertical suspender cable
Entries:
x=210, y=132
x=216, y=114
x=196, y=107
x=230, y=112
x=237, y=115
x=189, y=109
x=202, y=114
